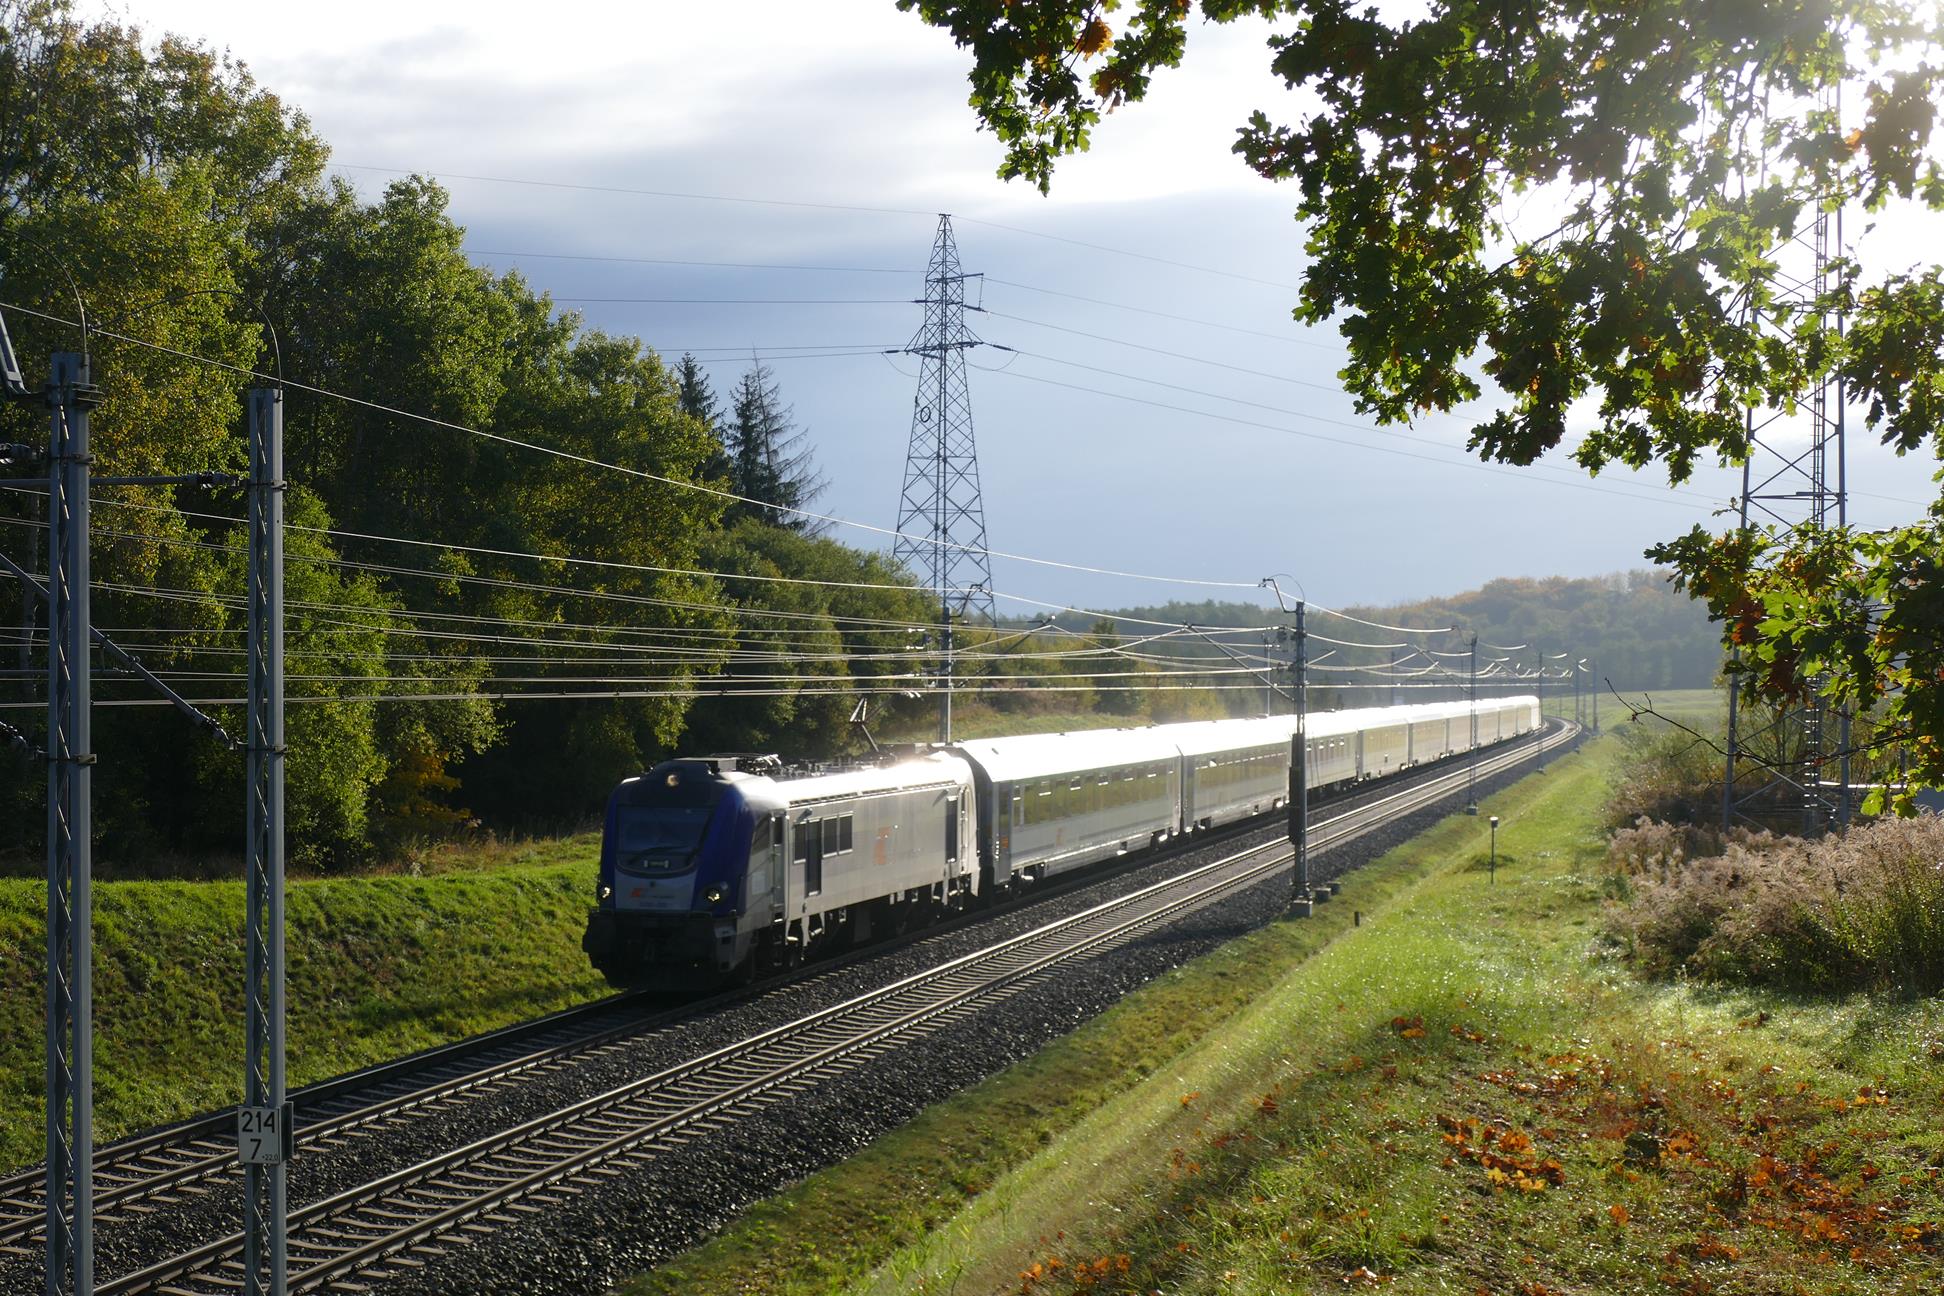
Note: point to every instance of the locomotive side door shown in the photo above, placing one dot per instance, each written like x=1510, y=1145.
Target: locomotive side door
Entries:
x=807, y=858
x=778, y=873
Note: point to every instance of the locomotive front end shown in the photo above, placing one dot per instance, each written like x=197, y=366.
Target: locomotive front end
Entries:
x=675, y=862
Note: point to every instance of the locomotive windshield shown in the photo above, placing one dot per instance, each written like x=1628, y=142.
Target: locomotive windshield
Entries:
x=659, y=829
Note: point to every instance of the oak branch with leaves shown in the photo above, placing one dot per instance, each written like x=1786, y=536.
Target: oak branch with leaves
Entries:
x=1680, y=145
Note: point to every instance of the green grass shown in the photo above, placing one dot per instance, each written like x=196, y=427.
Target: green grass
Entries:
x=843, y=1221
x=1439, y=1100
x=378, y=966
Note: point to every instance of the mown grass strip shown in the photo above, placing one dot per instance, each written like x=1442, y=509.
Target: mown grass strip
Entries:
x=1468, y=1095
x=842, y=1222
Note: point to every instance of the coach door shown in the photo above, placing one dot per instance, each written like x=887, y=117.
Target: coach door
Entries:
x=951, y=836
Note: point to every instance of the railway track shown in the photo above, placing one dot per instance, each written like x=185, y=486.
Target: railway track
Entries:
x=157, y=1167
x=407, y=1218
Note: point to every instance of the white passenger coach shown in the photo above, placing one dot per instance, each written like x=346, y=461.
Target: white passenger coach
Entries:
x=720, y=865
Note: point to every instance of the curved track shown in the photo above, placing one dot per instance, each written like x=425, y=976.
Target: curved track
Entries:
x=404, y=1218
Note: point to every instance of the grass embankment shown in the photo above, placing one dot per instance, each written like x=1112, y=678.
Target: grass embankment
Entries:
x=1463, y=1094
x=379, y=966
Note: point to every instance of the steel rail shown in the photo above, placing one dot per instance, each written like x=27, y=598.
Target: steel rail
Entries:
x=803, y=1053
x=182, y=1156
x=156, y=1157
x=523, y=1161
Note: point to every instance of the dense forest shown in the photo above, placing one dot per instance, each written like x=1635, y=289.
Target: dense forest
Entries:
x=434, y=565
x=524, y=557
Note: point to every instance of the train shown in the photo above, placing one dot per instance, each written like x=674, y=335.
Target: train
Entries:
x=716, y=868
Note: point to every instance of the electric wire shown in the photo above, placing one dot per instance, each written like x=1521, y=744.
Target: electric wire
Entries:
x=913, y=271
x=643, y=474
x=1379, y=625
x=1495, y=469
x=530, y=586
x=1625, y=490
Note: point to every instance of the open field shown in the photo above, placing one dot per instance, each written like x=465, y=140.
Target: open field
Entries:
x=1464, y=1093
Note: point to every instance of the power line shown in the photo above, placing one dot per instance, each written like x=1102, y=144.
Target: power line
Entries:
x=1318, y=436
x=739, y=301
x=1370, y=429
x=1338, y=348
x=641, y=600
x=709, y=265
x=641, y=473
x=690, y=693
x=1379, y=625
x=1337, y=388
x=569, y=560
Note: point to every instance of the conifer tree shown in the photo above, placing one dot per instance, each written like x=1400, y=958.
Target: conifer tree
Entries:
x=698, y=401
x=770, y=461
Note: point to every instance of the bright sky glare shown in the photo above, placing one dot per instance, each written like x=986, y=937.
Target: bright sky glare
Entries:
x=1117, y=437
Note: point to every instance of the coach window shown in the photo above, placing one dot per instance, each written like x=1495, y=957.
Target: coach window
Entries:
x=805, y=830
x=844, y=829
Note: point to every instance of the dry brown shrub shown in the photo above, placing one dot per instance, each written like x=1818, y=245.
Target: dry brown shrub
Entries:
x=1864, y=910
x=1668, y=776
x=1654, y=849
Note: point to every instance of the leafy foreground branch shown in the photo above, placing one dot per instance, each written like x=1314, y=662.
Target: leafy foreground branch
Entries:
x=1593, y=206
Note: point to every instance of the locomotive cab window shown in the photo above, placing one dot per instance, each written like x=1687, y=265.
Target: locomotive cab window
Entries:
x=660, y=824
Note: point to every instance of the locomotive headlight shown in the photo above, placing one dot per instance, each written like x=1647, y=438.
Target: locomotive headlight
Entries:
x=713, y=895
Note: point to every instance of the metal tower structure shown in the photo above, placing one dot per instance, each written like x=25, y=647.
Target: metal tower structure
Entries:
x=941, y=521
x=1794, y=479
x=265, y=1136
x=70, y=801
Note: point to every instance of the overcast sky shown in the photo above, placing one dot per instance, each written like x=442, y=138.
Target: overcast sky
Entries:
x=1215, y=448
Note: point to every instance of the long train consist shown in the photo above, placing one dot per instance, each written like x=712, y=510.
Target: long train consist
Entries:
x=718, y=866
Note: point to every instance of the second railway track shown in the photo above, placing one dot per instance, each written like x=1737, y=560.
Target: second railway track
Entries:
x=411, y=1216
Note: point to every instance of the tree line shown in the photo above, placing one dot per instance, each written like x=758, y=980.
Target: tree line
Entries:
x=188, y=210
x=1635, y=628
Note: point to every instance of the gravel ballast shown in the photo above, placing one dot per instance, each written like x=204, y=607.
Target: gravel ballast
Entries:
x=662, y=1206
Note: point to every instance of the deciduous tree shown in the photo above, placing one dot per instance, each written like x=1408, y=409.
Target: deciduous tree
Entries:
x=1673, y=146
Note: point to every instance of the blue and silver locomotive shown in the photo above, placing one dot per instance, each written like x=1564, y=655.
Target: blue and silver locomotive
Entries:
x=721, y=867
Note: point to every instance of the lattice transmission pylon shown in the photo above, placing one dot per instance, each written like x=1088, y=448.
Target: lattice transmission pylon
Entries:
x=1794, y=479
x=941, y=520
